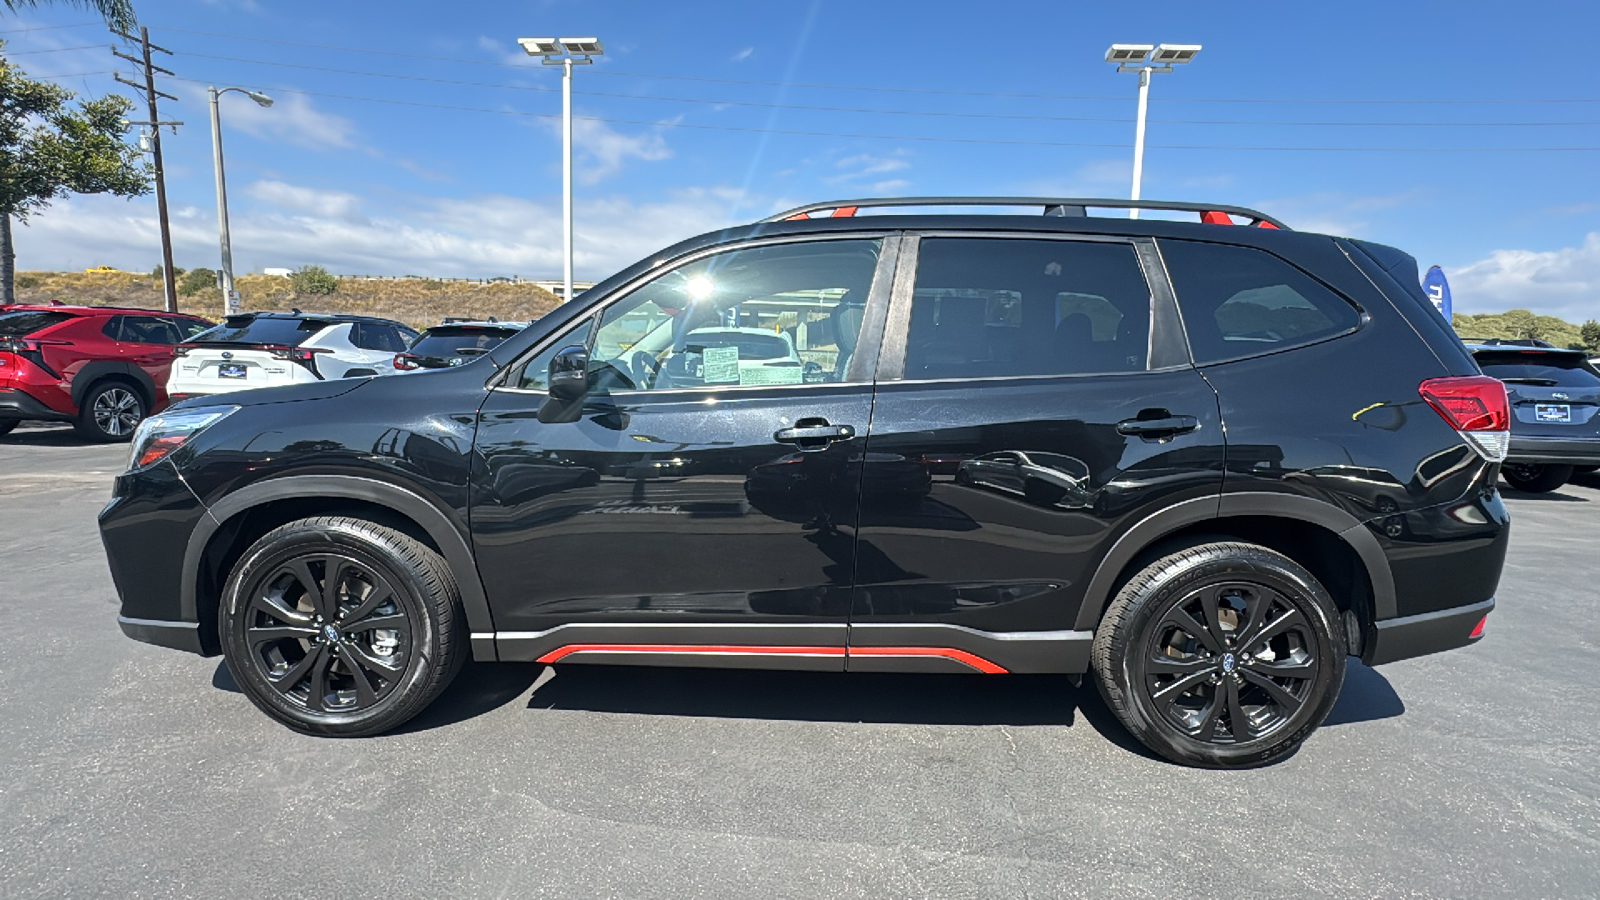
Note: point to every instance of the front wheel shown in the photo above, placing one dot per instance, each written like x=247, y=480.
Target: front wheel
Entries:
x=340, y=627
x=1535, y=479
x=1223, y=655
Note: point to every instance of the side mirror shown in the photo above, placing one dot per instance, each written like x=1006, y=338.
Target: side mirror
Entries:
x=569, y=374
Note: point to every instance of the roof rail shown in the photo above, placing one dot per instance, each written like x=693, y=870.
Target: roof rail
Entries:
x=1210, y=213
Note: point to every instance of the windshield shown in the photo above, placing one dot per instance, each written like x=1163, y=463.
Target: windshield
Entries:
x=26, y=322
x=278, y=332
x=459, y=341
x=1543, y=369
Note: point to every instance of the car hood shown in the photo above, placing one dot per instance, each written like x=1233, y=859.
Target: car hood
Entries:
x=289, y=393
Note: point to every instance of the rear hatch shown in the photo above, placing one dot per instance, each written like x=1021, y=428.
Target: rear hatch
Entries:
x=1554, y=393
x=247, y=352
x=452, y=345
x=23, y=337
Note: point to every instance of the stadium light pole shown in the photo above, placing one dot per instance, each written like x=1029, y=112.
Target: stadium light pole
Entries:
x=565, y=52
x=230, y=300
x=1146, y=59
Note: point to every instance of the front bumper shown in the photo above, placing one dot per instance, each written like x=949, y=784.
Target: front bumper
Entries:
x=1420, y=635
x=145, y=529
x=15, y=404
x=1554, y=451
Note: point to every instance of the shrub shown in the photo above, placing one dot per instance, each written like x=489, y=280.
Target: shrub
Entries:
x=26, y=281
x=196, y=280
x=313, y=280
x=156, y=272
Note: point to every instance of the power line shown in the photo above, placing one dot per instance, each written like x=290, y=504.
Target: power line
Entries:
x=56, y=50
x=49, y=27
x=908, y=137
x=606, y=70
x=874, y=110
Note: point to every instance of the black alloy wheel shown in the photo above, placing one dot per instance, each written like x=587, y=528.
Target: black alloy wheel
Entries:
x=1222, y=655
x=111, y=412
x=1535, y=479
x=340, y=627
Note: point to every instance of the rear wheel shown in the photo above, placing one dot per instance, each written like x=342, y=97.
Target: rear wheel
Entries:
x=1535, y=479
x=339, y=627
x=110, y=412
x=1222, y=655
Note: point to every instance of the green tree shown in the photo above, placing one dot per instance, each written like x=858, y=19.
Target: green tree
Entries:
x=160, y=275
x=49, y=150
x=1591, y=334
x=117, y=13
x=313, y=280
x=196, y=280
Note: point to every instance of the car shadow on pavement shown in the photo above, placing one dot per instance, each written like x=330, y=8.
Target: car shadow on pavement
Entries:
x=64, y=436
x=1555, y=496
x=1366, y=697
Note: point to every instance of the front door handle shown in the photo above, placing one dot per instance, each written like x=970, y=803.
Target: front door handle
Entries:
x=1158, y=427
x=812, y=435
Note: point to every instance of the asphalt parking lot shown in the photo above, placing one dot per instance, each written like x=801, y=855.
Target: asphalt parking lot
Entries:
x=130, y=770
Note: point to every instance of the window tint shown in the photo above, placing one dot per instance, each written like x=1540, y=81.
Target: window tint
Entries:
x=994, y=307
x=453, y=341
x=148, y=330
x=26, y=322
x=535, y=374
x=188, y=328
x=376, y=336
x=276, y=331
x=1540, y=369
x=1239, y=301
x=113, y=328
x=780, y=314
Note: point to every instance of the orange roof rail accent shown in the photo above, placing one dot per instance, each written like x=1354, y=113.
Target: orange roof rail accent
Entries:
x=1215, y=217
x=798, y=218
x=843, y=212
x=1265, y=224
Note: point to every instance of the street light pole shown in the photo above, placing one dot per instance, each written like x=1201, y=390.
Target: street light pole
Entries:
x=566, y=53
x=1146, y=59
x=230, y=299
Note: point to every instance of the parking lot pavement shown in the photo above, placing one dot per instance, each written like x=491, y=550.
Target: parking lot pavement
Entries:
x=136, y=771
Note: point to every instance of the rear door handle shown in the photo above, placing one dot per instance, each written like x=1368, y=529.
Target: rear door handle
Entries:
x=811, y=435
x=1166, y=426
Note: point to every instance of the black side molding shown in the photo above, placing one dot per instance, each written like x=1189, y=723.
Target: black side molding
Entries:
x=176, y=635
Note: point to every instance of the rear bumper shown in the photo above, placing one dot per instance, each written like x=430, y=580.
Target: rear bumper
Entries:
x=1434, y=632
x=15, y=404
x=1554, y=451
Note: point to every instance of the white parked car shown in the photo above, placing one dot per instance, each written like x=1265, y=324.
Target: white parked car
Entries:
x=256, y=350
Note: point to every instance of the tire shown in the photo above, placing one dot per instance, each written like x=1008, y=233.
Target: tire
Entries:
x=110, y=412
x=293, y=651
x=1178, y=687
x=7, y=425
x=1534, y=479
x=1576, y=470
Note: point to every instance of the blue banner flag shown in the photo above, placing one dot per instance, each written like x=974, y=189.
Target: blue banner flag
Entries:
x=1438, y=290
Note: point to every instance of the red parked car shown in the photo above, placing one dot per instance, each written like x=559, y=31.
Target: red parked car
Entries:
x=101, y=368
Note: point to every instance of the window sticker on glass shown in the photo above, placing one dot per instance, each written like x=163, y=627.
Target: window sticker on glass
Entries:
x=721, y=365
x=778, y=374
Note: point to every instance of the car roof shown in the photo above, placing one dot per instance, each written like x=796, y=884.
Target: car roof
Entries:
x=510, y=326
x=81, y=310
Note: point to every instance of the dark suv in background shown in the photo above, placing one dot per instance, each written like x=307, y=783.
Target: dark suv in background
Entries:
x=1203, y=461
x=1555, y=412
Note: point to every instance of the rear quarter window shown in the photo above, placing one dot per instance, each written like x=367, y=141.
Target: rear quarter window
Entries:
x=28, y=321
x=1239, y=302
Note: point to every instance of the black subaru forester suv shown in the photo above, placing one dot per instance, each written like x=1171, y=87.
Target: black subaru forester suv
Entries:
x=1204, y=461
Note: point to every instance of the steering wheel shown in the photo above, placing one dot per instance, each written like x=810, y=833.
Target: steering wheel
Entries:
x=644, y=368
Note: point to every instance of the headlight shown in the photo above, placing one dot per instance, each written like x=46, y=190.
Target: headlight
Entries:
x=158, y=436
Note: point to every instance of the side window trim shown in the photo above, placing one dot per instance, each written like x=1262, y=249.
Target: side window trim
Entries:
x=1169, y=339
x=891, y=243
x=892, y=359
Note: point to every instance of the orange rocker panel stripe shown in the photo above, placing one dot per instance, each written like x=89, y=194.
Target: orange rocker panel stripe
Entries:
x=961, y=656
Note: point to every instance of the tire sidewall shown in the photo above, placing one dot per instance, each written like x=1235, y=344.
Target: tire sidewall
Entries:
x=1180, y=578
x=279, y=547
x=90, y=426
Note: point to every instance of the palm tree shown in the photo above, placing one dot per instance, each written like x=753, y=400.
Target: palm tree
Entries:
x=117, y=13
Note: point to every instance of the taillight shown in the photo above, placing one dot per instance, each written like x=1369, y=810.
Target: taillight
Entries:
x=181, y=350
x=302, y=355
x=405, y=362
x=1476, y=407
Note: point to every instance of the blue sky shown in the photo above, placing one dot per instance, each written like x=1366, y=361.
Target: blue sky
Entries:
x=703, y=114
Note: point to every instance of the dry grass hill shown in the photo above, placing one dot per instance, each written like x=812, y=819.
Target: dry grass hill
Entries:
x=418, y=302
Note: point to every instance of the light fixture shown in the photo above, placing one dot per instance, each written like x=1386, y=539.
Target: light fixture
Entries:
x=541, y=46
x=1168, y=54
x=262, y=100
x=1128, y=53
x=583, y=46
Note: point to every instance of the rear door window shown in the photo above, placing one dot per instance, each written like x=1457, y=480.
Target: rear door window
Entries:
x=987, y=307
x=1240, y=301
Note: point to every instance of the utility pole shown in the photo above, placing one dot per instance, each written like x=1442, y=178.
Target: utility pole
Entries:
x=155, y=123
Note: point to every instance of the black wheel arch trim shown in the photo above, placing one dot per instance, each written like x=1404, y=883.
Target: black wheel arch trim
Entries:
x=1097, y=596
x=444, y=532
x=96, y=372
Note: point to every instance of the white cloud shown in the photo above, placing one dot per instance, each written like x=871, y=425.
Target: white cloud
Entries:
x=1564, y=282
x=742, y=55
x=479, y=236
x=292, y=118
x=602, y=151
x=309, y=201
x=861, y=167
x=1332, y=212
